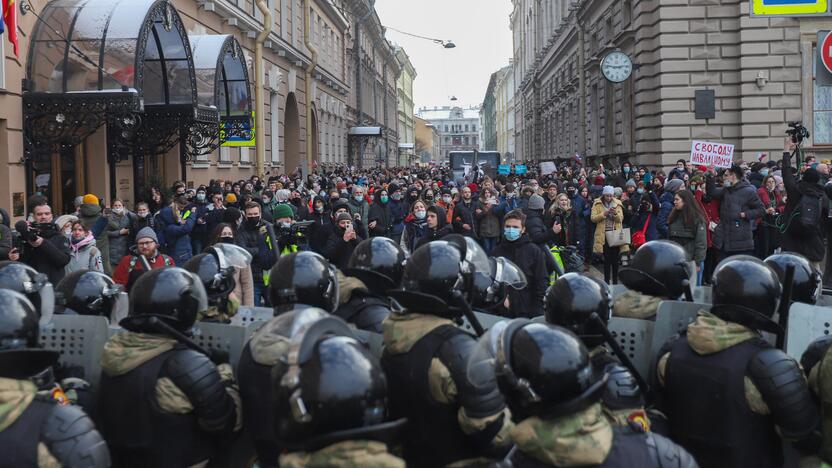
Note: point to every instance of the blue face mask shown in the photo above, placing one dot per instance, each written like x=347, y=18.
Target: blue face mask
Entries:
x=641, y=190
x=626, y=170
x=511, y=233
x=764, y=172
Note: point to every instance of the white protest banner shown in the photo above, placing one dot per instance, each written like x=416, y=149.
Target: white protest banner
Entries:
x=547, y=168
x=706, y=153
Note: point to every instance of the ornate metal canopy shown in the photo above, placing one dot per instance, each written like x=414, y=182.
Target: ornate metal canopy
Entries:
x=126, y=63
x=222, y=82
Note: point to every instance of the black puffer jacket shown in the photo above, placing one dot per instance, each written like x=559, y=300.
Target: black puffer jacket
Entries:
x=734, y=234
x=50, y=257
x=442, y=227
x=531, y=260
x=380, y=213
x=805, y=241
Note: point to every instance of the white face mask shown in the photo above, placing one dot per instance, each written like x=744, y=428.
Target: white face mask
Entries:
x=118, y=210
x=447, y=199
x=420, y=214
x=68, y=231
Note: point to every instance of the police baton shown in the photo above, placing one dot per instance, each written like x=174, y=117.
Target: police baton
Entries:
x=619, y=353
x=469, y=313
x=783, y=309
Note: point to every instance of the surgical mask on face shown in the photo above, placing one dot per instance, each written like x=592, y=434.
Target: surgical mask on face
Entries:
x=626, y=170
x=358, y=198
x=727, y=183
x=253, y=221
x=286, y=225
x=397, y=196
x=447, y=199
x=118, y=211
x=68, y=232
x=319, y=208
x=200, y=197
x=384, y=198
x=641, y=190
x=266, y=201
x=142, y=214
x=764, y=172
x=511, y=233
x=420, y=214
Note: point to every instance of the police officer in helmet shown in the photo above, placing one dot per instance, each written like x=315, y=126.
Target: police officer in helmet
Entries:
x=37, y=430
x=806, y=286
x=24, y=279
x=658, y=271
x=163, y=402
x=331, y=396
x=577, y=303
x=554, y=394
x=375, y=267
x=216, y=268
x=424, y=358
x=303, y=290
x=85, y=292
x=729, y=395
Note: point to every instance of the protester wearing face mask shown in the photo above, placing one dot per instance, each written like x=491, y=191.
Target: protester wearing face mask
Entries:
x=608, y=215
x=436, y=228
x=464, y=218
x=739, y=207
x=143, y=219
x=342, y=241
x=399, y=209
x=84, y=254
x=258, y=238
x=487, y=219
x=318, y=232
x=120, y=224
x=767, y=237
x=380, y=219
x=358, y=203
x=531, y=259
x=64, y=224
x=415, y=226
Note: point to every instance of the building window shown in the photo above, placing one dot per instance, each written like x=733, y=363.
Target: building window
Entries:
x=245, y=156
x=466, y=127
x=822, y=109
x=626, y=13
x=225, y=155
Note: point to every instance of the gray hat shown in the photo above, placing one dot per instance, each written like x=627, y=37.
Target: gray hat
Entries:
x=147, y=233
x=673, y=185
x=608, y=190
x=630, y=183
x=536, y=202
x=343, y=217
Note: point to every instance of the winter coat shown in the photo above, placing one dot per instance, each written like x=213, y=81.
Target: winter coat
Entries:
x=90, y=216
x=580, y=211
x=536, y=228
x=597, y=217
x=711, y=208
x=439, y=232
x=531, y=259
x=363, y=209
x=693, y=240
x=465, y=213
x=666, y=206
x=809, y=243
x=318, y=232
x=50, y=257
x=118, y=242
x=261, y=242
x=126, y=276
x=637, y=224
x=567, y=224
x=734, y=234
x=338, y=251
x=85, y=256
x=244, y=286
x=489, y=222
x=177, y=236
x=398, y=212
x=413, y=231
x=380, y=213
x=5, y=242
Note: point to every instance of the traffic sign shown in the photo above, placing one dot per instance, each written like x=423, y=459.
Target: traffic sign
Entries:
x=823, y=59
x=789, y=7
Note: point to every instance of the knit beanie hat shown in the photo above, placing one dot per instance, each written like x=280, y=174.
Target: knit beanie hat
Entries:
x=147, y=233
x=90, y=199
x=536, y=202
x=283, y=211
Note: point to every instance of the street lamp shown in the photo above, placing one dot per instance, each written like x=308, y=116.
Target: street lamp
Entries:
x=448, y=44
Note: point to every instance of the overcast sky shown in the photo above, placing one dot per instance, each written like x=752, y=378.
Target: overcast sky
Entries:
x=480, y=30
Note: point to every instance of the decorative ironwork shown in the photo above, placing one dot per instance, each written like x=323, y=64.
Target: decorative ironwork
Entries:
x=52, y=122
x=201, y=138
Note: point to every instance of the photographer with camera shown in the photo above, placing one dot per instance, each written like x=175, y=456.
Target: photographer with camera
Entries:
x=41, y=245
x=291, y=236
x=805, y=199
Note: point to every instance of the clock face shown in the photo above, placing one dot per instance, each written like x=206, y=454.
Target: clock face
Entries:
x=617, y=66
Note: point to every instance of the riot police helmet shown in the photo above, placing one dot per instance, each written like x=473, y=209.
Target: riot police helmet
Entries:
x=20, y=354
x=24, y=279
x=215, y=270
x=542, y=369
x=86, y=292
x=659, y=268
x=746, y=291
x=378, y=262
x=434, y=281
x=329, y=388
x=572, y=300
x=172, y=295
x=303, y=278
x=807, y=280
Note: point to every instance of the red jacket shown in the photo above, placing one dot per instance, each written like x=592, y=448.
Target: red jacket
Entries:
x=711, y=213
x=778, y=203
x=130, y=268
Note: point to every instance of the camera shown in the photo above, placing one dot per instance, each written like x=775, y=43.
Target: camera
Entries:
x=30, y=232
x=294, y=234
x=798, y=132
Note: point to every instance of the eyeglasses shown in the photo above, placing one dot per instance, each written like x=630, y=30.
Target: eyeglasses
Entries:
x=146, y=243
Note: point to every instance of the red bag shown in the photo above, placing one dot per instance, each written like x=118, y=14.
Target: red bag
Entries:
x=640, y=238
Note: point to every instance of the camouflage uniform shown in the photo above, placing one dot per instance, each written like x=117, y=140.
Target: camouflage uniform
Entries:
x=401, y=331
x=581, y=439
x=820, y=382
x=633, y=304
x=347, y=454
x=127, y=351
x=217, y=315
x=15, y=397
x=710, y=334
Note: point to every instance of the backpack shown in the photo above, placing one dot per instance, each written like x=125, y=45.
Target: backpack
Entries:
x=640, y=237
x=809, y=208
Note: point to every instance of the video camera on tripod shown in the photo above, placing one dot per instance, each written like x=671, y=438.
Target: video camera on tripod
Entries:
x=798, y=132
x=294, y=234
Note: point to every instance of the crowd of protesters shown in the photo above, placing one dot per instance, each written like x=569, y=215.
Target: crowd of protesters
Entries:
x=749, y=209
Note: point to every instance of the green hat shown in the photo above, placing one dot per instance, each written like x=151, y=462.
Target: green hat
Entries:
x=283, y=211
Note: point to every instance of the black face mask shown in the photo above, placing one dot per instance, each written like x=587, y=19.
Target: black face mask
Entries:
x=226, y=240
x=252, y=222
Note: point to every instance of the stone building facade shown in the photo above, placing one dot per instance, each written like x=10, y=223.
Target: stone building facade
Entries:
x=90, y=165
x=404, y=109
x=428, y=141
x=504, y=95
x=760, y=70
x=459, y=129
x=488, y=116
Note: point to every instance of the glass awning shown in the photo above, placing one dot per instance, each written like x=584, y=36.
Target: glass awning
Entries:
x=112, y=45
x=221, y=75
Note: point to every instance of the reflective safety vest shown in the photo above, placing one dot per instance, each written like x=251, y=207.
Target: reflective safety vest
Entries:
x=559, y=268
